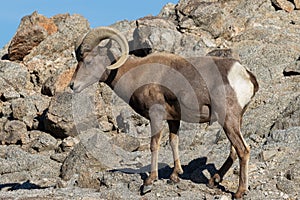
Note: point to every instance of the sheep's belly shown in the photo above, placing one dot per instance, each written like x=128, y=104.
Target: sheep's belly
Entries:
x=198, y=115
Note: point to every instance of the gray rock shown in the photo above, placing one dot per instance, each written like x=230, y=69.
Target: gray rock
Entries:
x=10, y=94
x=14, y=79
x=290, y=117
x=290, y=135
x=65, y=25
x=59, y=117
x=17, y=160
x=42, y=141
x=15, y=132
x=5, y=109
x=126, y=142
x=129, y=122
x=48, y=87
x=4, y=52
x=165, y=37
x=168, y=12
x=69, y=114
x=160, y=37
x=206, y=16
x=268, y=154
x=69, y=143
x=285, y=185
x=227, y=53
x=30, y=109
x=24, y=111
x=127, y=28
x=59, y=157
x=96, y=152
x=41, y=102
x=78, y=161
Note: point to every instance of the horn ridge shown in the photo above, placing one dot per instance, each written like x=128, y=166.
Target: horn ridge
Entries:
x=96, y=35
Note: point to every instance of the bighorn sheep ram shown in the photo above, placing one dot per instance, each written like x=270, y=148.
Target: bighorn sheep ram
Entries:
x=164, y=86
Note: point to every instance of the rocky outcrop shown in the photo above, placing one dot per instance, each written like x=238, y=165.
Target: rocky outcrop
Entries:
x=31, y=32
x=56, y=142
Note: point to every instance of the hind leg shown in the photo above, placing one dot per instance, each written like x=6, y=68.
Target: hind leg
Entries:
x=174, y=141
x=232, y=129
x=218, y=177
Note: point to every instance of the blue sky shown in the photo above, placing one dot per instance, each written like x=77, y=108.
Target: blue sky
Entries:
x=97, y=12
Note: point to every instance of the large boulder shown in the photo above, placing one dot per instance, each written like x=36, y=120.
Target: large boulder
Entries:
x=14, y=132
x=59, y=118
x=30, y=109
x=14, y=80
x=18, y=166
x=32, y=31
x=97, y=151
x=51, y=57
x=156, y=34
x=69, y=113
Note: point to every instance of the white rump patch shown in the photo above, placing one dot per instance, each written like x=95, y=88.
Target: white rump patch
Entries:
x=240, y=81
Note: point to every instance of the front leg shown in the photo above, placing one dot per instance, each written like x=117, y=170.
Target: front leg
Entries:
x=174, y=141
x=154, y=147
x=156, y=114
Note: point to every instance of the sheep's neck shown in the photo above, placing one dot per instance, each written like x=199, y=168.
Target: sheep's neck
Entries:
x=115, y=75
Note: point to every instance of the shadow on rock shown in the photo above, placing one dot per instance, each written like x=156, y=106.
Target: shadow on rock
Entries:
x=194, y=171
x=198, y=171
x=20, y=186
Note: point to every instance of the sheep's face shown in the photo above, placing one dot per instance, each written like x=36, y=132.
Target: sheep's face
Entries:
x=90, y=69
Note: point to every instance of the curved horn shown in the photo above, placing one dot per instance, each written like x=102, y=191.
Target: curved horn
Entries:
x=95, y=36
x=77, y=45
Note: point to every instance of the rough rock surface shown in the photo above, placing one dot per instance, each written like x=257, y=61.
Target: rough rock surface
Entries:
x=31, y=32
x=58, y=145
x=285, y=5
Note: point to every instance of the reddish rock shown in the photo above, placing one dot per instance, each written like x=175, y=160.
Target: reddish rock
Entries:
x=58, y=83
x=64, y=80
x=284, y=5
x=32, y=30
x=297, y=4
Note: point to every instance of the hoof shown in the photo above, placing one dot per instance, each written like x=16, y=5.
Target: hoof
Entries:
x=145, y=189
x=239, y=195
x=210, y=184
x=214, y=181
x=174, y=179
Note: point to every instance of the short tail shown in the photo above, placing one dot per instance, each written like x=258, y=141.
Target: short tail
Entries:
x=254, y=82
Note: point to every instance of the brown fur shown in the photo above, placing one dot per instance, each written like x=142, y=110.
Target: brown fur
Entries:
x=214, y=100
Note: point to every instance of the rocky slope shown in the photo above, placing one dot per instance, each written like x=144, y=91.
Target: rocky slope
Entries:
x=57, y=145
